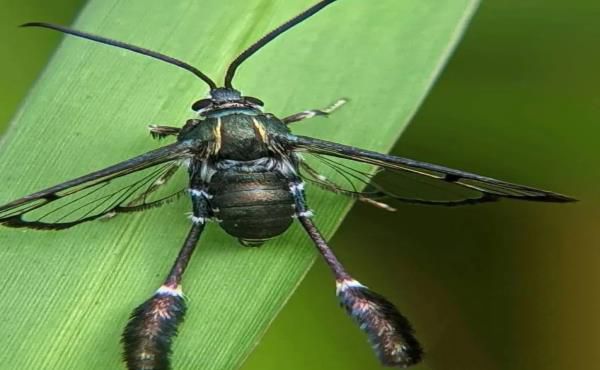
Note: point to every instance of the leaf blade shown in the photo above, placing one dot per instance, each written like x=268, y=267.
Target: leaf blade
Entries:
x=89, y=279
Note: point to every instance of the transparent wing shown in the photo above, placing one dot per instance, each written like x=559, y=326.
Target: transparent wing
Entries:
x=404, y=179
x=128, y=186
x=382, y=187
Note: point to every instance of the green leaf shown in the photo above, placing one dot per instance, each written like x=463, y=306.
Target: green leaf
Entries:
x=67, y=295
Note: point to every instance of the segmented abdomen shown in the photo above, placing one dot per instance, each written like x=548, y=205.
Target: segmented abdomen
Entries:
x=252, y=206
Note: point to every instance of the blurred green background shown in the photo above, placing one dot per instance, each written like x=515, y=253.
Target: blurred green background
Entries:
x=502, y=286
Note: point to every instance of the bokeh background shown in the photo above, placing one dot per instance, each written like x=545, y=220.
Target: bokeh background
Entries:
x=502, y=286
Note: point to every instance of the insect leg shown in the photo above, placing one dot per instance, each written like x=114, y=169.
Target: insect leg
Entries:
x=148, y=336
x=314, y=112
x=161, y=132
x=390, y=333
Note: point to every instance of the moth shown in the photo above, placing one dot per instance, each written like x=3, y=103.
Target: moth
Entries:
x=248, y=171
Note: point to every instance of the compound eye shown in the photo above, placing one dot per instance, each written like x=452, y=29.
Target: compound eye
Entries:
x=201, y=104
x=254, y=101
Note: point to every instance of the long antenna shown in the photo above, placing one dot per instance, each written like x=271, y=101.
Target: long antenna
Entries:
x=123, y=45
x=270, y=36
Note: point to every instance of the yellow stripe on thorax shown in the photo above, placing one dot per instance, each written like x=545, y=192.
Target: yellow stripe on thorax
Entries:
x=259, y=128
x=217, y=136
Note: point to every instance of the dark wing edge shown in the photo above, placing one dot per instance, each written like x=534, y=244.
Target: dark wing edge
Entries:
x=490, y=189
x=12, y=214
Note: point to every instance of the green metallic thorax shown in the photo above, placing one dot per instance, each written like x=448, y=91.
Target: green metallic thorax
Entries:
x=239, y=136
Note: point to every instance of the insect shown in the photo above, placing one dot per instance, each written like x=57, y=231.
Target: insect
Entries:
x=246, y=170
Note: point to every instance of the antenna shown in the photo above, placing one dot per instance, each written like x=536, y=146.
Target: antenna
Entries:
x=270, y=36
x=123, y=45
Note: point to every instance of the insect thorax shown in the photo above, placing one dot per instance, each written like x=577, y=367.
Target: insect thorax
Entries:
x=248, y=182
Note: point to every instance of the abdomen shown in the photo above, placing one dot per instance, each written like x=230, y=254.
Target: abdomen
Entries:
x=252, y=206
